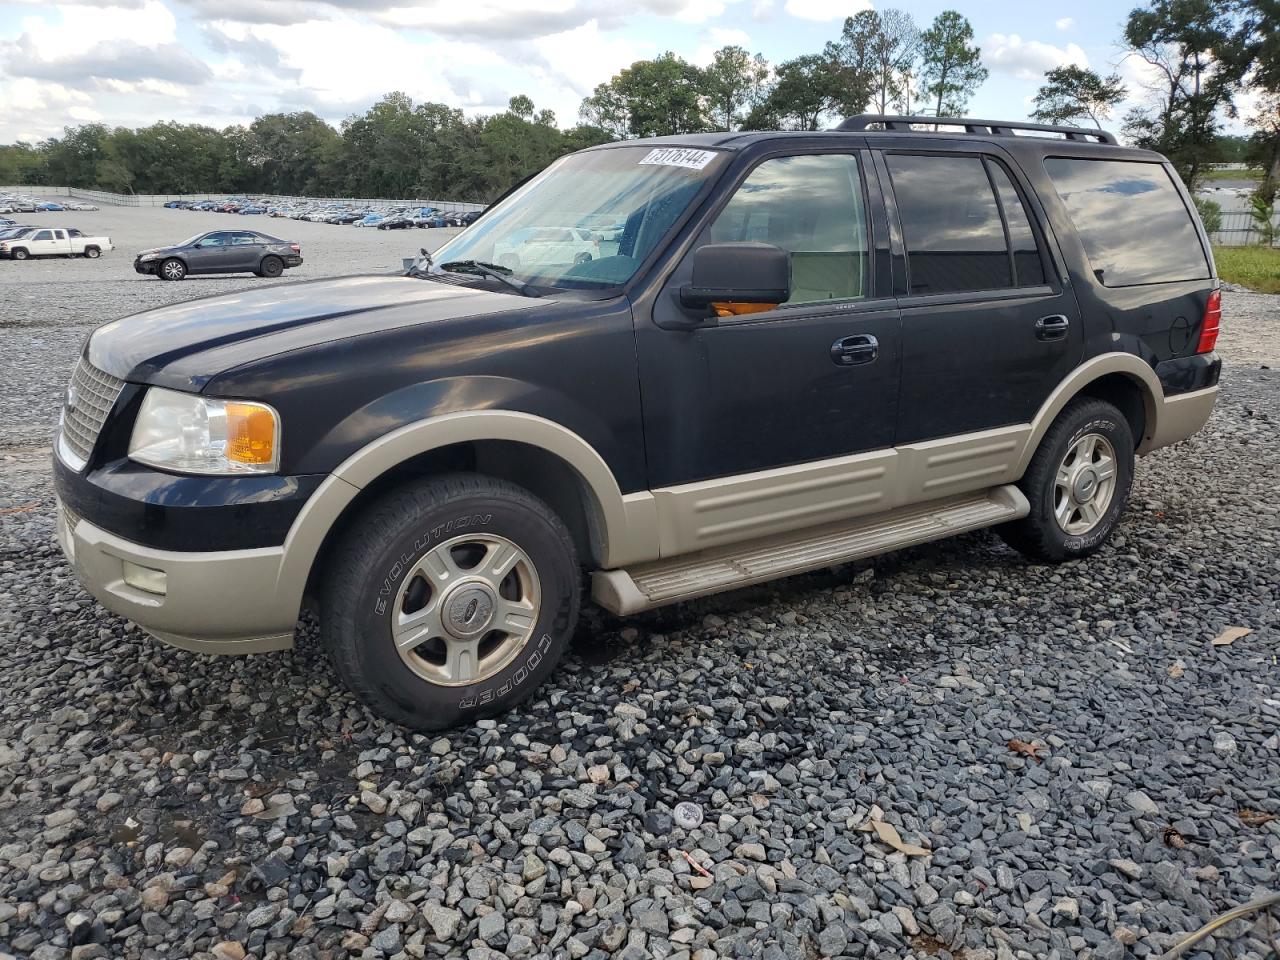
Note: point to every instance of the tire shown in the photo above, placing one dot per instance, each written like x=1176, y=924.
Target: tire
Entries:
x=172, y=269
x=373, y=578
x=1073, y=513
x=93, y=253
x=19, y=254
x=271, y=267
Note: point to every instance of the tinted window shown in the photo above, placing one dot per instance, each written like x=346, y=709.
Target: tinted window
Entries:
x=214, y=240
x=239, y=239
x=1130, y=218
x=951, y=224
x=811, y=207
x=1028, y=267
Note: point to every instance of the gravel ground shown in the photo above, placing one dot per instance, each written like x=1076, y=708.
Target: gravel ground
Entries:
x=155, y=804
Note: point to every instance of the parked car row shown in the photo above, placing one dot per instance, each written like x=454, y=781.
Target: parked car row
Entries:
x=384, y=217
x=22, y=242
x=21, y=204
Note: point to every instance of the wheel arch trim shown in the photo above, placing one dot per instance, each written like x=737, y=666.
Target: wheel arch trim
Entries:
x=629, y=521
x=1092, y=370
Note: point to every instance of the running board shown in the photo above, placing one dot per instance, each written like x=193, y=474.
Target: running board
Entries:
x=716, y=569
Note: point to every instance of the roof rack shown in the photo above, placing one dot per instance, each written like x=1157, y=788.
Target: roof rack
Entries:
x=998, y=128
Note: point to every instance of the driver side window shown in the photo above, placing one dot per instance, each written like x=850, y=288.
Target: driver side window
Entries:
x=812, y=207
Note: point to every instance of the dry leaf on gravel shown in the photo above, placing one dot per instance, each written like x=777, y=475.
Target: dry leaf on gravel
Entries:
x=889, y=834
x=1172, y=838
x=1255, y=818
x=1175, y=669
x=1230, y=636
x=1026, y=749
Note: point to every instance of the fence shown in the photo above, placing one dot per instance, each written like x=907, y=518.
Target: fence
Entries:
x=1239, y=229
x=103, y=198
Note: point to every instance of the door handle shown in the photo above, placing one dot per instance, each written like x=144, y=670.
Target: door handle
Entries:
x=860, y=348
x=1052, y=328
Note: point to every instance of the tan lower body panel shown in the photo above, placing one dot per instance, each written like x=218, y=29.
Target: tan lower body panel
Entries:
x=729, y=567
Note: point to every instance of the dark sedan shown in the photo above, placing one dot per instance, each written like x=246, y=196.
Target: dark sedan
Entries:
x=221, y=251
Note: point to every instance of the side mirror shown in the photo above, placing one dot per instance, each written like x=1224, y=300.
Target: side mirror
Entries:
x=738, y=273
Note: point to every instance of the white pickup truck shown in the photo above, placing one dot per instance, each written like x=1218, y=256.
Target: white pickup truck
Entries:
x=51, y=242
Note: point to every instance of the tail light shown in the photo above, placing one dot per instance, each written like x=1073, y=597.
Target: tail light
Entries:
x=1211, y=323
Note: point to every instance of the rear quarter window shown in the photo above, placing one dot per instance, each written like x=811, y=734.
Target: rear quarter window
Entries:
x=1131, y=219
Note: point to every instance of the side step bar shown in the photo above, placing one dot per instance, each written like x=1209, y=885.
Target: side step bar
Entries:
x=737, y=565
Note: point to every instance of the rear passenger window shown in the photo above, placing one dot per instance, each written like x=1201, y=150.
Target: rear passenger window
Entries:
x=1028, y=267
x=810, y=206
x=1131, y=219
x=951, y=224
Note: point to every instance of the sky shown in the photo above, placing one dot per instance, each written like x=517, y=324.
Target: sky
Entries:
x=220, y=62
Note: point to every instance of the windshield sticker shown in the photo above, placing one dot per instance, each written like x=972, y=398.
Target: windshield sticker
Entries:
x=679, y=157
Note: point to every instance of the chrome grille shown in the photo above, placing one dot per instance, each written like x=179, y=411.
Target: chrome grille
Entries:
x=90, y=398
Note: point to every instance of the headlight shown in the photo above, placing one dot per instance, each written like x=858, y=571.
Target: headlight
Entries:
x=192, y=434
x=148, y=256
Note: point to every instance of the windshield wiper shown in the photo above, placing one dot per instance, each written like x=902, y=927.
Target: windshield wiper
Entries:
x=491, y=270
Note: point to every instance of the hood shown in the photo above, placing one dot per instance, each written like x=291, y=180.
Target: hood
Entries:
x=187, y=344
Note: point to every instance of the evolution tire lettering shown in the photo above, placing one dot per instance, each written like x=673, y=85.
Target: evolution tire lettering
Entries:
x=438, y=532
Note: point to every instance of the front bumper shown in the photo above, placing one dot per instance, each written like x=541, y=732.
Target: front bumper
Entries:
x=149, y=267
x=230, y=598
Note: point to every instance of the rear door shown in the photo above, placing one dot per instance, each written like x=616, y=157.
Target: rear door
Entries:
x=988, y=328
x=61, y=242
x=245, y=252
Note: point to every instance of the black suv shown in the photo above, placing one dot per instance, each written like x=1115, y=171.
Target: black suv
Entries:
x=772, y=353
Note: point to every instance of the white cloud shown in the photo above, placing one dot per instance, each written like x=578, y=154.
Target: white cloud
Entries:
x=826, y=9
x=1028, y=59
x=718, y=37
x=572, y=63
x=1066, y=23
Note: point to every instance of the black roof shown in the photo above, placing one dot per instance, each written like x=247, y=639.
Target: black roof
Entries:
x=872, y=127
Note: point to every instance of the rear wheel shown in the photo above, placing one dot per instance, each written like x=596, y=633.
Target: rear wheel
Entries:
x=173, y=269
x=271, y=267
x=450, y=600
x=1077, y=483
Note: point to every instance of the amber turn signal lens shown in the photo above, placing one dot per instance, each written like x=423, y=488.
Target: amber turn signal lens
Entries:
x=251, y=433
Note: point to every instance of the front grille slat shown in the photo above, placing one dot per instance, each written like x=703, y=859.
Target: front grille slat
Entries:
x=94, y=395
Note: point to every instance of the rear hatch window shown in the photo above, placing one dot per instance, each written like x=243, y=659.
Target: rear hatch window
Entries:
x=1131, y=219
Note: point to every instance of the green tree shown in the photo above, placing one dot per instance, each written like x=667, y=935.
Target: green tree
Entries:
x=1189, y=45
x=895, y=50
x=734, y=83
x=21, y=163
x=852, y=61
x=804, y=92
x=1072, y=93
x=291, y=153
x=950, y=66
x=650, y=98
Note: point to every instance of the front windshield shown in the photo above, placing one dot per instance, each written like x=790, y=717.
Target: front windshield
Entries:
x=589, y=220
x=190, y=240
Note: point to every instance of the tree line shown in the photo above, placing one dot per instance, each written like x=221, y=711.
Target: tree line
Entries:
x=1201, y=55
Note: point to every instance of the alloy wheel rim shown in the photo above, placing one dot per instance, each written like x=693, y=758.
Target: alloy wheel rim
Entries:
x=172, y=270
x=465, y=609
x=1084, y=484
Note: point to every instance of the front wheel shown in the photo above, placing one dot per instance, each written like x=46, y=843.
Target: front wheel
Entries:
x=1077, y=483
x=450, y=600
x=173, y=269
x=93, y=253
x=20, y=254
